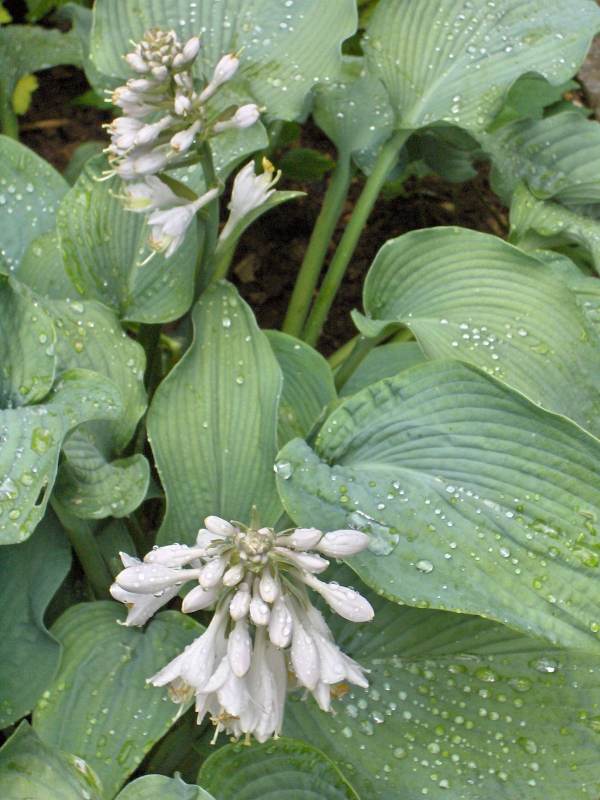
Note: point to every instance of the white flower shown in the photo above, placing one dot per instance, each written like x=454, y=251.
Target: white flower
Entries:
x=249, y=191
x=340, y=544
x=264, y=623
x=182, y=141
x=170, y=226
x=224, y=71
x=149, y=195
x=244, y=117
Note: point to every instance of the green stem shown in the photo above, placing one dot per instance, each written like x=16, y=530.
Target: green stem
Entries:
x=223, y=258
x=340, y=355
x=360, y=351
x=86, y=547
x=337, y=268
x=308, y=276
x=211, y=212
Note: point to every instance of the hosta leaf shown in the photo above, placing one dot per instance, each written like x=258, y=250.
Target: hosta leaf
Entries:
x=30, y=769
x=212, y=424
x=471, y=296
x=30, y=574
x=544, y=223
x=42, y=268
x=89, y=336
x=383, y=362
x=476, y=500
x=529, y=97
x=159, y=787
x=31, y=438
x=283, y=769
x=455, y=60
x=100, y=707
x=462, y=709
x=307, y=385
x=30, y=191
x=557, y=157
x=355, y=111
x=92, y=486
x=284, y=48
x=27, y=338
x=104, y=246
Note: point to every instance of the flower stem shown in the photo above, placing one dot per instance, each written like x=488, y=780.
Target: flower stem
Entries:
x=211, y=214
x=360, y=351
x=308, y=276
x=337, y=268
x=223, y=258
x=86, y=547
x=340, y=355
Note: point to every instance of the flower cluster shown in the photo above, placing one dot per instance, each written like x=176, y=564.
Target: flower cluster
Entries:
x=163, y=116
x=265, y=632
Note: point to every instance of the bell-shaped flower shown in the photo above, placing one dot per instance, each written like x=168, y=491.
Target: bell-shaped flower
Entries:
x=170, y=226
x=224, y=71
x=250, y=191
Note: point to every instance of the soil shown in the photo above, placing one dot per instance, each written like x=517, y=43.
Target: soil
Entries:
x=271, y=251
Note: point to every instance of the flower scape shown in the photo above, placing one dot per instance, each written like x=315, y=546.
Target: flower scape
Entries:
x=265, y=635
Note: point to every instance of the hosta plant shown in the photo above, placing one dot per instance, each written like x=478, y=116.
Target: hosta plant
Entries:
x=232, y=568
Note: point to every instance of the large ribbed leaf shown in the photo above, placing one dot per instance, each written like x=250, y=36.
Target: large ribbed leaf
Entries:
x=30, y=574
x=383, y=362
x=213, y=421
x=92, y=486
x=558, y=157
x=30, y=442
x=355, y=111
x=282, y=770
x=100, y=707
x=476, y=500
x=307, y=385
x=158, y=787
x=286, y=47
x=42, y=268
x=459, y=709
x=89, y=336
x=90, y=483
x=471, y=296
x=31, y=770
x=27, y=340
x=454, y=60
x=104, y=246
x=545, y=223
x=30, y=190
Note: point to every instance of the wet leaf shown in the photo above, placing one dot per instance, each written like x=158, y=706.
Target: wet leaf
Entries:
x=475, y=499
x=31, y=438
x=455, y=60
x=308, y=386
x=104, y=245
x=282, y=768
x=470, y=296
x=30, y=574
x=30, y=190
x=459, y=708
x=212, y=423
x=99, y=706
x=29, y=769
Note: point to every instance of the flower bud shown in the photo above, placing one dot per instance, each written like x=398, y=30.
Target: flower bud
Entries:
x=340, y=544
